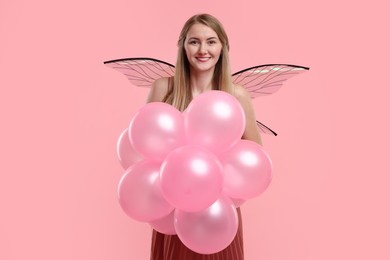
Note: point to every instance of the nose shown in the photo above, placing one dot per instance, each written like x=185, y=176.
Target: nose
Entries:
x=202, y=48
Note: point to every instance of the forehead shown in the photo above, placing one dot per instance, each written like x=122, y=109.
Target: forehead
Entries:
x=201, y=31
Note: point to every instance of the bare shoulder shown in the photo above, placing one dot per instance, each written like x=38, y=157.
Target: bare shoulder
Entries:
x=158, y=90
x=251, y=132
x=244, y=98
x=241, y=94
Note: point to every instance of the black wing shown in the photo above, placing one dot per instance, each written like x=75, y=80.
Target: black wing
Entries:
x=142, y=72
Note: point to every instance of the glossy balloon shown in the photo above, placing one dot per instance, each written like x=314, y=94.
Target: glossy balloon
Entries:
x=238, y=202
x=215, y=120
x=210, y=230
x=157, y=129
x=165, y=224
x=126, y=154
x=247, y=170
x=140, y=193
x=191, y=178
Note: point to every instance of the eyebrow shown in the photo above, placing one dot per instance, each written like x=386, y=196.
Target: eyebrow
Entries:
x=196, y=38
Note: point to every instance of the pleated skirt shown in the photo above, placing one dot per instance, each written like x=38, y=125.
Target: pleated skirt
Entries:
x=169, y=247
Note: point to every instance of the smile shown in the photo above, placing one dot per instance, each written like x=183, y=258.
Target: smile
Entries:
x=203, y=59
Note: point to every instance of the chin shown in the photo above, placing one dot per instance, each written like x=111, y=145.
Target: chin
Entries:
x=203, y=67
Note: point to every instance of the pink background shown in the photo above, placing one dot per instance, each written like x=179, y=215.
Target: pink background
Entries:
x=62, y=111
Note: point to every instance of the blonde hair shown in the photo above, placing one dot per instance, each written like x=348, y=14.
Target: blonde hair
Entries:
x=180, y=95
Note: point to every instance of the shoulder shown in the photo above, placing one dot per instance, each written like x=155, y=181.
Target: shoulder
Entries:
x=241, y=94
x=251, y=132
x=158, y=90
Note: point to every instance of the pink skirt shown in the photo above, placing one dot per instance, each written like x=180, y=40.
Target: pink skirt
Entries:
x=169, y=247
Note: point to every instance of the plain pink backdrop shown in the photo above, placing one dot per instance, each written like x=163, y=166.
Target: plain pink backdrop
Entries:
x=62, y=111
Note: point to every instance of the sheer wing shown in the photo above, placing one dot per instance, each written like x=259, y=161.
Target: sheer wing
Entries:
x=266, y=79
x=142, y=72
x=265, y=129
x=258, y=80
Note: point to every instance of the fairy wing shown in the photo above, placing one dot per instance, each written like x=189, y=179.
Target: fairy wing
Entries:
x=142, y=72
x=265, y=129
x=258, y=80
x=266, y=79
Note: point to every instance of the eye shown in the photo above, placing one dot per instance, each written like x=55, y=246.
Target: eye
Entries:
x=211, y=42
x=193, y=42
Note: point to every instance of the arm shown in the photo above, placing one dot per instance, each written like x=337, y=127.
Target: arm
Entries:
x=158, y=90
x=251, y=131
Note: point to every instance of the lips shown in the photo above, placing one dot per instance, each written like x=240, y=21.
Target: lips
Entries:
x=203, y=59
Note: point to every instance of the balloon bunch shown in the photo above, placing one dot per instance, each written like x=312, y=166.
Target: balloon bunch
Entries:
x=187, y=172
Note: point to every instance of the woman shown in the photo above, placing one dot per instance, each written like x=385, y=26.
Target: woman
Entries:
x=202, y=65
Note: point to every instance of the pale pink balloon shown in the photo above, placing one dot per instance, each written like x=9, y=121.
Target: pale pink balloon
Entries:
x=157, y=129
x=191, y=178
x=247, y=170
x=210, y=230
x=126, y=154
x=165, y=224
x=215, y=120
x=140, y=194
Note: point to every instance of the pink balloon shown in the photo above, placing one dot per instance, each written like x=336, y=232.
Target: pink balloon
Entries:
x=247, y=170
x=140, y=193
x=191, y=178
x=157, y=129
x=238, y=202
x=215, y=120
x=210, y=230
x=165, y=224
x=126, y=154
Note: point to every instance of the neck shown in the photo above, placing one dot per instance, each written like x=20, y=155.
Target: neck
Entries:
x=201, y=82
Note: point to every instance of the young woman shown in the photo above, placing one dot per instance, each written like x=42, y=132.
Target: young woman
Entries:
x=202, y=65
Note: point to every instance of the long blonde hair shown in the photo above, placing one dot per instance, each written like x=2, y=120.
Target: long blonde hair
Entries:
x=180, y=94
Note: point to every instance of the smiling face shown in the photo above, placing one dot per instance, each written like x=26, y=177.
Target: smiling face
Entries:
x=203, y=48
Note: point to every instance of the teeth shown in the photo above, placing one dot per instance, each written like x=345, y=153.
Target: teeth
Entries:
x=203, y=59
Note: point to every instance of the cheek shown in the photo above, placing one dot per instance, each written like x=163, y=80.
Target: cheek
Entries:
x=218, y=50
x=187, y=51
x=217, y=54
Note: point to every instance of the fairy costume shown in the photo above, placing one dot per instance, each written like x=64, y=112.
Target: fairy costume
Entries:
x=258, y=80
